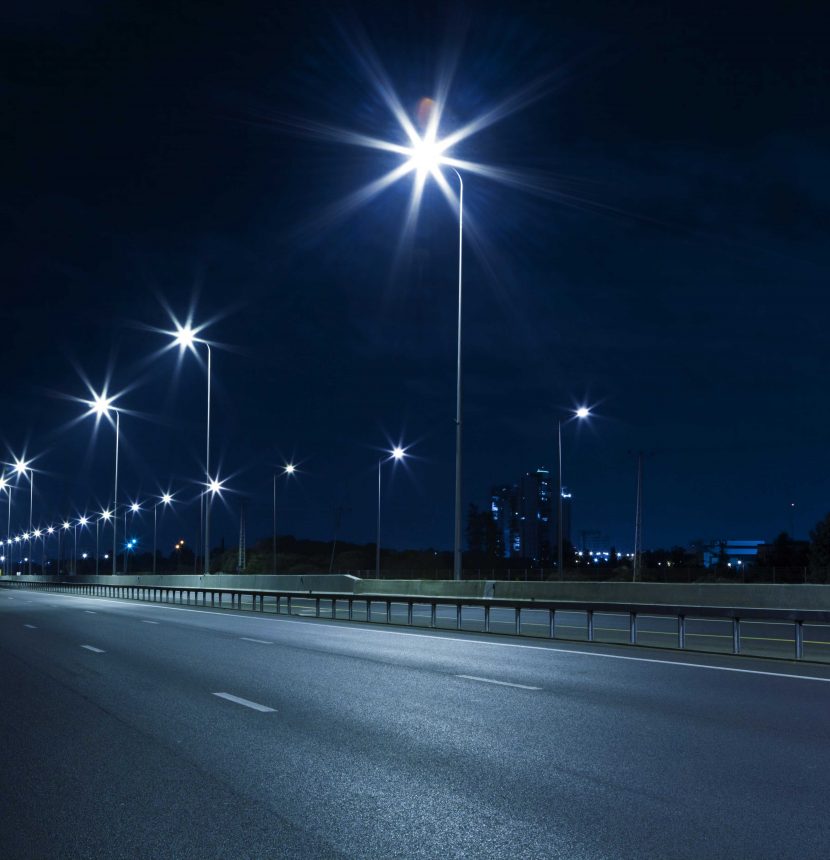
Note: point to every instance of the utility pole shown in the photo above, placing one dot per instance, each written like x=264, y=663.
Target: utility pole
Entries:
x=638, y=520
x=241, y=561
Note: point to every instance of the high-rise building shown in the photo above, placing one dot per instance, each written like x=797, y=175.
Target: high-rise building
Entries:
x=525, y=516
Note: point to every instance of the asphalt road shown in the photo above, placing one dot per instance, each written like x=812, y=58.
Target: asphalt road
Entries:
x=339, y=740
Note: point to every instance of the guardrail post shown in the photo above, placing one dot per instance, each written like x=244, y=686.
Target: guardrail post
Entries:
x=518, y=621
x=432, y=614
x=552, y=623
x=486, y=619
x=590, y=619
x=388, y=611
x=799, y=640
x=458, y=617
x=409, y=613
x=317, y=607
x=681, y=631
x=368, y=610
x=288, y=603
x=351, y=608
x=736, y=635
x=632, y=628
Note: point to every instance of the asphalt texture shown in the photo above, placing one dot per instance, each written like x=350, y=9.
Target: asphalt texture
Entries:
x=333, y=739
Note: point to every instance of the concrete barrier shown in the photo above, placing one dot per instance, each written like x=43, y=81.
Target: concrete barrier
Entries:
x=334, y=582
x=693, y=594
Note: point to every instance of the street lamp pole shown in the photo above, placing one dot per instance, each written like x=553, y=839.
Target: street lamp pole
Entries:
x=164, y=500
x=115, y=491
x=581, y=413
x=397, y=453
x=457, y=559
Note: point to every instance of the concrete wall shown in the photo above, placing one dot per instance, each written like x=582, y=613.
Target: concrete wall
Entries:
x=299, y=582
x=696, y=594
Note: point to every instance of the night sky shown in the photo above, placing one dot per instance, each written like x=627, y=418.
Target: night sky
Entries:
x=660, y=254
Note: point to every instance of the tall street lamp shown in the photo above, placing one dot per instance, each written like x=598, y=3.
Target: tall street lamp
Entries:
x=65, y=526
x=580, y=414
x=185, y=338
x=134, y=508
x=165, y=500
x=214, y=487
x=21, y=467
x=395, y=455
x=82, y=522
x=106, y=516
x=287, y=469
x=101, y=406
x=5, y=485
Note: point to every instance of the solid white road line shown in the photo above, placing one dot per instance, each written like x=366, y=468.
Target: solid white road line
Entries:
x=500, y=683
x=91, y=648
x=30, y=626
x=145, y=621
x=90, y=612
x=246, y=702
x=365, y=628
x=260, y=641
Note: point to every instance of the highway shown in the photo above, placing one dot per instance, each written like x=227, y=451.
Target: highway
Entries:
x=148, y=730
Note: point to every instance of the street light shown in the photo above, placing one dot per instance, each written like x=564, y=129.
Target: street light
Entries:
x=101, y=406
x=5, y=485
x=134, y=508
x=426, y=156
x=21, y=467
x=165, y=500
x=185, y=338
x=288, y=469
x=396, y=454
x=580, y=414
x=214, y=487
x=106, y=516
x=82, y=522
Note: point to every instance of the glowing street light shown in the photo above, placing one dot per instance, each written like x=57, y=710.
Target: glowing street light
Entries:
x=22, y=467
x=214, y=488
x=185, y=337
x=134, y=508
x=82, y=522
x=395, y=455
x=166, y=499
x=581, y=413
x=101, y=406
x=288, y=469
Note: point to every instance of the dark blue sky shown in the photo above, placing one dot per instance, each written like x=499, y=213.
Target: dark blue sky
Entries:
x=667, y=262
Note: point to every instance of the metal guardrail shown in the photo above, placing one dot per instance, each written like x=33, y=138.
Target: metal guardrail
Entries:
x=283, y=600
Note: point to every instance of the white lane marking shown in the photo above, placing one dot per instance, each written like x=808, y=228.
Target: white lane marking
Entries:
x=145, y=621
x=246, y=702
x=553, y=649
x=90, y=612
x=260, y=641
x=500, y=683
x=95, y=650
x=30, y=626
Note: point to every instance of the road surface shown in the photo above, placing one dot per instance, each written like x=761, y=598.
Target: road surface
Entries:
x=146, y=730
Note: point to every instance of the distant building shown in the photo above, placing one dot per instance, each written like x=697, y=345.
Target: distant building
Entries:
x=734, y=552
x=525, y=516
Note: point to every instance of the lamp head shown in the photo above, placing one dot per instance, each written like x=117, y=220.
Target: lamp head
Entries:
x=289, y=469
x=184, y=337
x=398, y=453
x=166, y=498
x=135, y=507
x=106, y=515
x=20, y=466
x=583, y=412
